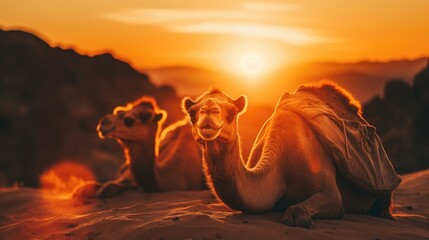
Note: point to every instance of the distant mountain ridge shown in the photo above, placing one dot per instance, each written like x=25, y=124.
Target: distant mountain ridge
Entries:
x=365, y=79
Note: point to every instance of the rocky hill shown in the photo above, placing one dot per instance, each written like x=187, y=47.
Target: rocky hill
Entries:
x=402, y=120
x=51, y=100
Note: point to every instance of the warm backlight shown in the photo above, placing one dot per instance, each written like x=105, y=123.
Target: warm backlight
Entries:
x=65, y=176
x=251, y=64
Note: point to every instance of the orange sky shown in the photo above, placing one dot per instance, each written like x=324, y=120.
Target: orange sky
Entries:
x=223, y=33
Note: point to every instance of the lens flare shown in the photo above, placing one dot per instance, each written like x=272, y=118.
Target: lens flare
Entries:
x=65, y=176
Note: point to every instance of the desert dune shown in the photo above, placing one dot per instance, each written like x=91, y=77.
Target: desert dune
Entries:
x=36, y=214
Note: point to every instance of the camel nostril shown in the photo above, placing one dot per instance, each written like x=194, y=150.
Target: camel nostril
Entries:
x=106, y=121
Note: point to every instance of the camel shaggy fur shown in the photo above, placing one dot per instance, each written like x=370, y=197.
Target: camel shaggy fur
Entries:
x=155, y=161
x=289, y=168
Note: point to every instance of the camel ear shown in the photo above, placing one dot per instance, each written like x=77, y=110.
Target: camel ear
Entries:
x=241, y=103
x=160, y=117
x=187, y=103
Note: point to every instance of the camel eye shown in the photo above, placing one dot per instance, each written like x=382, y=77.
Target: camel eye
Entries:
x=215, y=111
x=129, y=122
x=144, y=117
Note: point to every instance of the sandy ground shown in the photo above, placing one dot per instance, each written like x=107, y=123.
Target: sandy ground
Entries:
x=35, y=214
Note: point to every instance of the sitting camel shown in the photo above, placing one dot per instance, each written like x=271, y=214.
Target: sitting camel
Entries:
x=154, y=161
x=315, y=157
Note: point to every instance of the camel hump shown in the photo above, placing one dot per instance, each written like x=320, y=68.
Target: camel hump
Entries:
x=353, y=144
x=336, y=97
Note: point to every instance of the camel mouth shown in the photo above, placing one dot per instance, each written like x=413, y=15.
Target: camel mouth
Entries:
x=104, y=132
x=208, y=133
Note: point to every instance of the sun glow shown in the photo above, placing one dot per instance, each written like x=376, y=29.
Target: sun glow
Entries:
x=64, y=177
x=251, y=64
x=251, y=61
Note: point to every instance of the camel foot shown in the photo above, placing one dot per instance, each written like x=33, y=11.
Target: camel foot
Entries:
x=87, y=190
x=385, y=214
x=112, y=189
x=297, y=216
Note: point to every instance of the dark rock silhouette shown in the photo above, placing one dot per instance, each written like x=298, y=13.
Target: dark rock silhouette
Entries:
x=50, y=102
x=421, y=121
x=402, y=119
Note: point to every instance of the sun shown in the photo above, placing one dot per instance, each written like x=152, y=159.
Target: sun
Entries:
x=251, y=64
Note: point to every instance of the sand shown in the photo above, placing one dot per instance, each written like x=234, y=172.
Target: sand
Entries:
x=37, y=214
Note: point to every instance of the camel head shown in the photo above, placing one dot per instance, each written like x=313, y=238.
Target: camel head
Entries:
x=214, y=116
x=137, y=121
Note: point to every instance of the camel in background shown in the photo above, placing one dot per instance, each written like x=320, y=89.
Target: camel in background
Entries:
x=155, y=161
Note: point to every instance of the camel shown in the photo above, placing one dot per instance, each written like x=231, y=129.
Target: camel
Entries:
x=155, y=161
x=300, y=162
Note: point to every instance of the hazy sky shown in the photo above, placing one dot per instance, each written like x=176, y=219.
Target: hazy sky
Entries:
x=224, y=33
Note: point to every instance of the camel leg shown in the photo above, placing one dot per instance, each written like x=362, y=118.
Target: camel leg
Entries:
x=382, y=207
x=107, y=189
x=116, y=187
x=324, y=203
x=87, y=190
x=113, y=188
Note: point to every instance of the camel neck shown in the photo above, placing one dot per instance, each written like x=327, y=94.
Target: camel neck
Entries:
x=224, y=168
x=141, y=157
